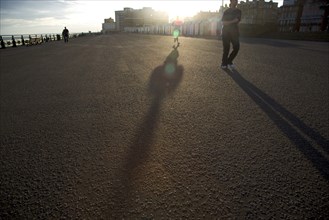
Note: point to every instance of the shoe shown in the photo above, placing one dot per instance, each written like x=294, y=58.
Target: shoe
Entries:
x=231, y=66
x=223, y=66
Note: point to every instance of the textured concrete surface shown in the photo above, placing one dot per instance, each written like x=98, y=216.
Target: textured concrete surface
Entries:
x=124, y=126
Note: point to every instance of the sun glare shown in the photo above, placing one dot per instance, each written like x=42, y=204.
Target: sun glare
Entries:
x=184, y=9
x=181, y=9
x=89, y=13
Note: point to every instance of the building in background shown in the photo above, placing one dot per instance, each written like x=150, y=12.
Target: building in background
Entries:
x=120, y=18
x=259, y=18
x=135, y=18
x=108, y=26
x=289, y=2
x=304, y=16
x=258, y=12
x=314, y=16
x=288, y=16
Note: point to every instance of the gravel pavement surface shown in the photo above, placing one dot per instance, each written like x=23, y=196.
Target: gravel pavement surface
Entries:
x=124, y=126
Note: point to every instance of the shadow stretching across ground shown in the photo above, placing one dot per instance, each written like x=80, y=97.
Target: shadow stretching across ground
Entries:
x=285, y=121
x=163, y=81
x=269, y=42
x=166, y=77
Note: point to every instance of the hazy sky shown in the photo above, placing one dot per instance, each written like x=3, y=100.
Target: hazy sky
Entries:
x=51, y=16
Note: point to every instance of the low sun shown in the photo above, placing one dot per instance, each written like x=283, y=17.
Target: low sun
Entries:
x=184, y=9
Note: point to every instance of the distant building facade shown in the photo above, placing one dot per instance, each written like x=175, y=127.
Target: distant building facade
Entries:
x=108, y=26
x=313, y=16
x=258, y=17
x=304, y=16
x=134, y=18
x=258, y=12
x=288, y=17
x=120, y=18
x=289, y=2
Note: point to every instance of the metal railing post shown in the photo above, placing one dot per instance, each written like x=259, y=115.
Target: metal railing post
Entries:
x=23, y=42
x=14, y=42
x=3, y=46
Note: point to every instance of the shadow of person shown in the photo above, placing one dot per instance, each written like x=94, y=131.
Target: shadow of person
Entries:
x=166, y=77
x=288, y=123
x=164, y=80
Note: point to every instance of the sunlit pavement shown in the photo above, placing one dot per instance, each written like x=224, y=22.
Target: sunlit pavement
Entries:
x=125, y=126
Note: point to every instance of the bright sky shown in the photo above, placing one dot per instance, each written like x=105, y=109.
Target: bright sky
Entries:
x=51, y=16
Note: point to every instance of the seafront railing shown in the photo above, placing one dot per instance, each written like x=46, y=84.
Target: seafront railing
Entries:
x=31, y=39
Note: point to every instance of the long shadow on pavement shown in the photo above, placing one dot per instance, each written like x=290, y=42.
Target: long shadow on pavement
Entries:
x=283, y=120
x=163, y=81
x=269, y=42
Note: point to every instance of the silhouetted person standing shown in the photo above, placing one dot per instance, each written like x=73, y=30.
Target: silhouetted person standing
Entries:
x=65, y=34
x=176, y=32
x=230, y=34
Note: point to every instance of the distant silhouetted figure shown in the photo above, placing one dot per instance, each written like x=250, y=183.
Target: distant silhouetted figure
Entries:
x=230, y=34
x=65, y=34
x=177, y=25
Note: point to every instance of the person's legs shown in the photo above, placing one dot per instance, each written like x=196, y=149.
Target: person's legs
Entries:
x=226, y=48
x=236, y=47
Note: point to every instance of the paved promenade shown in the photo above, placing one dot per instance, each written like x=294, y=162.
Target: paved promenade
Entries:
x=124, y=126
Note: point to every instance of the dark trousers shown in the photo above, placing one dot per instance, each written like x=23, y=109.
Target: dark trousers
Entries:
x=66, y=38
x=228, y=38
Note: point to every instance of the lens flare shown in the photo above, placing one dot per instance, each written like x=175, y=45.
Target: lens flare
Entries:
x=176, y=33
x=169, y=68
